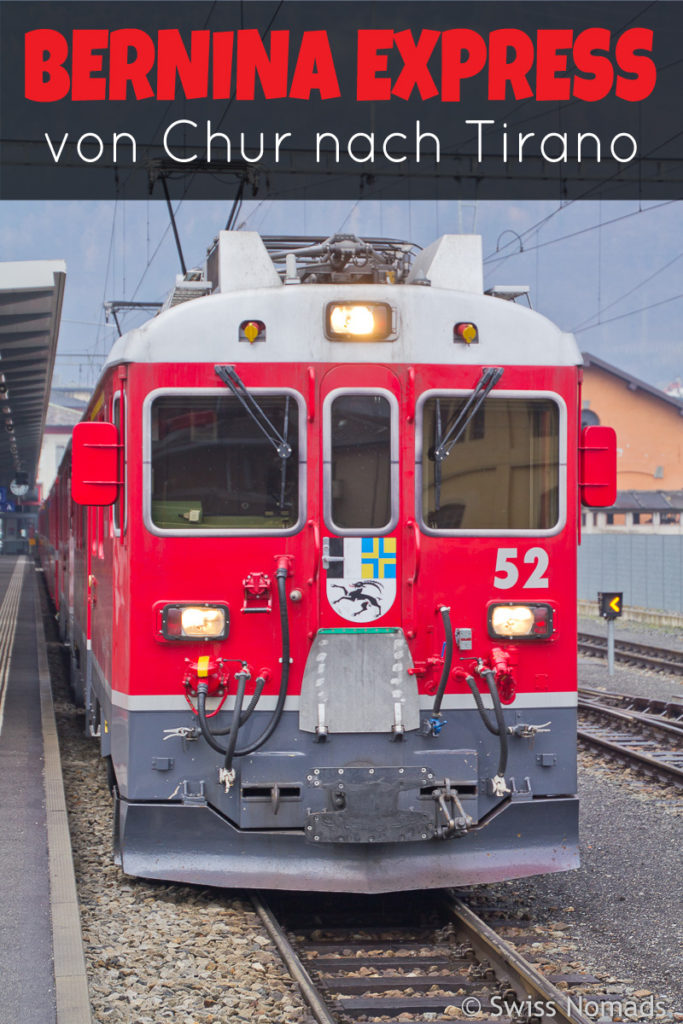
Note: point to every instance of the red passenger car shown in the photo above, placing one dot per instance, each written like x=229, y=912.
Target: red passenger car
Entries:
x=317, y=565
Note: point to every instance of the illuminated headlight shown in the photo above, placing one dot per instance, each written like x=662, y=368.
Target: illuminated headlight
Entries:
x=517, y=621
x=195, y=622
x=358, y=321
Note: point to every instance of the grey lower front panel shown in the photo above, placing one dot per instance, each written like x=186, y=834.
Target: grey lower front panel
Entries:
x=357, y=812
x=192, y=843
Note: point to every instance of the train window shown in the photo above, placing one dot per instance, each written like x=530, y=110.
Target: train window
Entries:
x=361, y=478
x=503, y=474
x=214, y=468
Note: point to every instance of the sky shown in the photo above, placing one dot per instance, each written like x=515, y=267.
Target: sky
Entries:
x=610, y=271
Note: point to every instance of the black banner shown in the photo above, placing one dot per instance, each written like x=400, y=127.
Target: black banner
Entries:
x=341, y=100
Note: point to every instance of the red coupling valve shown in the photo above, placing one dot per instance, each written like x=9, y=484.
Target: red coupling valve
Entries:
x=459, y=674
x=206, y=670
x=433, y=664
x=503, y=663
x=284, y=562
x=265, y=674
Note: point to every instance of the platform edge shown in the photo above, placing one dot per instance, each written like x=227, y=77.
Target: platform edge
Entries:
x=71, y=984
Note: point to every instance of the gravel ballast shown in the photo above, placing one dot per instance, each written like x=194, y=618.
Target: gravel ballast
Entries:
x=623, y=904
x=163, y=952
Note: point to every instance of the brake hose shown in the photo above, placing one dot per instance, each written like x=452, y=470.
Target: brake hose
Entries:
x=448, y=658
x=499, y=729
x=242, y=678
x=246, y=714
x=231, y=751
x=281, y=576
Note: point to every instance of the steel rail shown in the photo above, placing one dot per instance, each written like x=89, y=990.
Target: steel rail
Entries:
x=663, y=768
x=522, y=976
x=292, y=962
x=630, y=717
x=647, y=655
x=673, y=707
x=493, y=952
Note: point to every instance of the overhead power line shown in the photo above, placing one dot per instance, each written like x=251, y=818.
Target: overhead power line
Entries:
x=623, y=316
x=581, y=231
x=586, y=324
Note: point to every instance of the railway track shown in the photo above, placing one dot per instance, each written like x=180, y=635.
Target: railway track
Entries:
x=178, y=927
x=427, y=956
x=644, y=733
x=651, y=709
x=643, y=655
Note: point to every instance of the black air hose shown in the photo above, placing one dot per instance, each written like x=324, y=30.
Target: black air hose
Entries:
x=281, y=576
x=242, y=678
x=480, y=706
x=202, y=691
x=502, y=728
x=246, y=714
x=499, y=729
x=448, y=658
x=240, y=718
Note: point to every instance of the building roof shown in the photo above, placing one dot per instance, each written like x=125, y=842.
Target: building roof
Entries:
x=632, y=383
x=648, y=501
x=67, y=406
x=69, y=398
x=31, y=295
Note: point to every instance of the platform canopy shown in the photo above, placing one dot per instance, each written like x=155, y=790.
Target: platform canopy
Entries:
x=31, y=295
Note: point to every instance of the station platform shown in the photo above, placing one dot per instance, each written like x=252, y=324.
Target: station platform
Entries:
x=41, y=954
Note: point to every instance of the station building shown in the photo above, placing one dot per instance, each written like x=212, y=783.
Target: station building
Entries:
x=648, y=422
x=637, y=545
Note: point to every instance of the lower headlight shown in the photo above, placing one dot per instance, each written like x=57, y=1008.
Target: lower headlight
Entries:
x=519, y=621
x=195, y=622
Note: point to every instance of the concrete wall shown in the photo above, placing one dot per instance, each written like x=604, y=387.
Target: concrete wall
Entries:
x=648, y=568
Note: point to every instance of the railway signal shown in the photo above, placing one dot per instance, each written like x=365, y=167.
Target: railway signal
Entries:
x=611, y=607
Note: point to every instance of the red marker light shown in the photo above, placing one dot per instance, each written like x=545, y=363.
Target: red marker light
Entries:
x=466, y=332
x=252, y=330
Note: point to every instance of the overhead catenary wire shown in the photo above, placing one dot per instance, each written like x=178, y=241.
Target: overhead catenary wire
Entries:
x=575, y=234
x=586, y=324
x=191, y=177
x=632, y=312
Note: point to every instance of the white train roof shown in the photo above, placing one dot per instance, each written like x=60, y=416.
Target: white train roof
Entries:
x=442, y=288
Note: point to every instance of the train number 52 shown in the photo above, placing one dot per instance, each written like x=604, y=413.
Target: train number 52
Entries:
x=507, y=572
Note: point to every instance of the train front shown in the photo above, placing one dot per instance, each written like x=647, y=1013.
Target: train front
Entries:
x=347, y=577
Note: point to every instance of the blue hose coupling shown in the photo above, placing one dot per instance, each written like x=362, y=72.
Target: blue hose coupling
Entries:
x=433, y=726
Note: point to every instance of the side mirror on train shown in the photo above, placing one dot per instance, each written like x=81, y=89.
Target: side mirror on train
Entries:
x=598, y=467
x=95, y=464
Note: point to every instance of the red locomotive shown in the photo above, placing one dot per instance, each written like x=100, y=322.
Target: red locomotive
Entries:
x=314, y=552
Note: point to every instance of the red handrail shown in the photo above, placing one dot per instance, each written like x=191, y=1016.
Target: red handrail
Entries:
x=417, y=538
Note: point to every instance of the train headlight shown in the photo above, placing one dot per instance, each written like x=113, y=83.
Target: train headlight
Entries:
x=195, y=622
x=358, y=321
x=520, y=621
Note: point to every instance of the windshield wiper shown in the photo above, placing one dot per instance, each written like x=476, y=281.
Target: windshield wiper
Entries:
x=230, y=377
x=283, y=460
x=437, y=465
x=444, y=444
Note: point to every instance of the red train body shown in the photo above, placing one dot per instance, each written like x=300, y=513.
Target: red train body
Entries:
x=345, y=510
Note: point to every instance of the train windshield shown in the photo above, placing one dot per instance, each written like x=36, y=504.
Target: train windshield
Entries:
x=213, y=468
x=502, y=474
